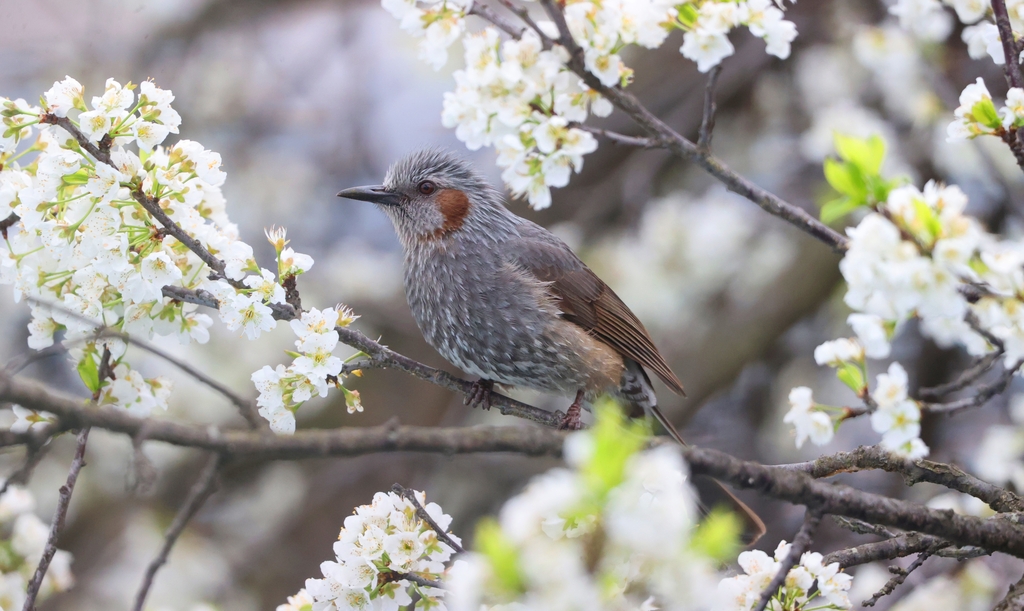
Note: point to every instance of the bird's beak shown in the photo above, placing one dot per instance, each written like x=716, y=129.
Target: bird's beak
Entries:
x=376, y=194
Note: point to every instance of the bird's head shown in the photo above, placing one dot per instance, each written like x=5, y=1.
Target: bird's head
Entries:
x=429, y=195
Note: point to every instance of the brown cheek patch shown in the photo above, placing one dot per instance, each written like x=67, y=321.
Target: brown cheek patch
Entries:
x=454, y=206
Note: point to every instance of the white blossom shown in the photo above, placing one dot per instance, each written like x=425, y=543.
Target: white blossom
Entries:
x=808, y=421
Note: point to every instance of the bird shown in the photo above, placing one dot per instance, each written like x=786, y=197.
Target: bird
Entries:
x=503, y=298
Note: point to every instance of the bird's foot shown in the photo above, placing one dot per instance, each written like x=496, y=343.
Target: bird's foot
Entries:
x=480, y=394
x=571, y=421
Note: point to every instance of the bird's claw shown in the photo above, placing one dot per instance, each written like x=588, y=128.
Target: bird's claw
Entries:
x=571, y=421
x=480, y=394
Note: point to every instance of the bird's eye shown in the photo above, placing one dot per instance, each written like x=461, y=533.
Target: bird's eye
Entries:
x=426, y=187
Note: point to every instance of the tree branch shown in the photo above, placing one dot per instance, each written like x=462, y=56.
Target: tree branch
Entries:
x=60, y=513
x=913, y=472
x=7, y=223
x=384, y=357
x=617, y=138
x=901, y=575
x=65, y=122
x=679, y=145
x=1011, y=65
x=707, y=124
x=801, y=542
x=980, y=395
x=791, y=485
x=204, y=487
x=423, y=515
x=898, y=547
x=1012, y=600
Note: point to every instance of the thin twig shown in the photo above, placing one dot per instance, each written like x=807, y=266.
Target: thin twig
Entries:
x=523, y=14
x=966, y=378
x=65, y=122
x=423, y=515
x=707, y=124
x=383, y=357
x=1012, y=600
x=1011, y=65
x=244, y=406
x=683, y=147
x=899, y=546
x=34, y=453
x=979, y=397
x=7, y=223
x=63, y=501
x=913, y=472
x=204, y=487
x=617, y=138
x=899, y=577
x=800, y=543
x=416, y=579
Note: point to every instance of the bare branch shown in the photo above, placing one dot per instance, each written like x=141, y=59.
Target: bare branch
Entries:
x=980, y=395
x=617, y=138
x=898, y=547
x=874, y=457
x=63, y=500
x=900, y=576
x=383, y=357
x=204, y=487
x=7, y=223
x=482, y=10
x=967, y=377
x=1012, y=601
x=800, y=543
x=707, y=124
x=423, y=515
x=416, y=579
x=791, y=485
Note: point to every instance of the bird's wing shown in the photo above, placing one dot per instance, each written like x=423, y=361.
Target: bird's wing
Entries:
x=584, y=299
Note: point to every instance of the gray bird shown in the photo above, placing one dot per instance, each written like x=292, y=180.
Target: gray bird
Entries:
x=502, y=298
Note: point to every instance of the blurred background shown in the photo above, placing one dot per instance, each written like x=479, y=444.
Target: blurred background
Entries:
x=305, y=97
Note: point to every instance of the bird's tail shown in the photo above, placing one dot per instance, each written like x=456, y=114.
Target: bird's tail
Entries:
x=637, y=390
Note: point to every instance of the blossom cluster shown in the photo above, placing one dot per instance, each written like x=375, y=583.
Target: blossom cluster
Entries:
x=930, y=21
x=24, y=537
x=86, y=247
x=615, y=530
x=808, y=580
x=520, y=96
x=977, y=115
x=909, y=257
x=521, y=99
x=381, y=545
x=283, y=389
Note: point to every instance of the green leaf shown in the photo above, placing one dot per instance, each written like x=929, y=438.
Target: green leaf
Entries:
x=688, y=15
x=851, y=375
x=926, y=222
x=718, y=536
x=78, y=178
x=984, y=112
x=502, y=555
x=845, y=178
x=88, y=370
x=614, y=443
x=838, y=208
x=866, y=154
